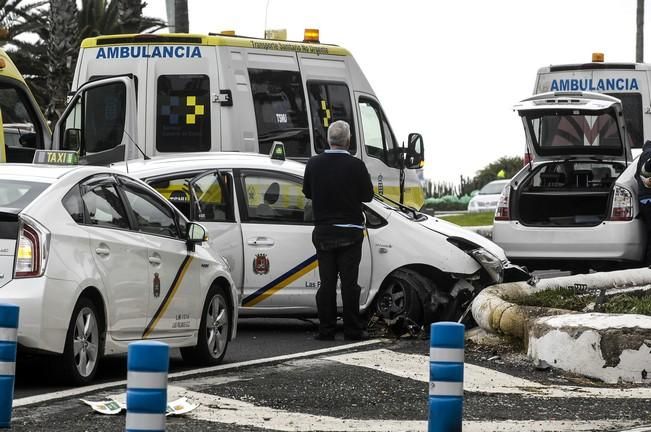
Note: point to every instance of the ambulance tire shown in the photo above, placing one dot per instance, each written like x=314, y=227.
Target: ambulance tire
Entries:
x=214, y=331
x=399, y=301
x=83, y=345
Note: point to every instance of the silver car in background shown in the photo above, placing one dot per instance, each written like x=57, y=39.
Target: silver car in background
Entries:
x=576, y=200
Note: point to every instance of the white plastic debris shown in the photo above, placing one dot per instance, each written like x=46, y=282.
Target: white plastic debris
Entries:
x=111, y=407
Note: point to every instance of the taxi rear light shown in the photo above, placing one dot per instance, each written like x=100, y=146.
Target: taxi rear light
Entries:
x=527, y=159
x=502, y=211
x=622, y=208
x=31, y=251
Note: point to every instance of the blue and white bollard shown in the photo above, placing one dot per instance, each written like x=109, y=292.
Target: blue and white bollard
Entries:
x=147, y=368
x=446, y=377
x=8, y=337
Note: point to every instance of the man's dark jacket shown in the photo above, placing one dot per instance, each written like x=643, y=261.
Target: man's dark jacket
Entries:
x=337, y=183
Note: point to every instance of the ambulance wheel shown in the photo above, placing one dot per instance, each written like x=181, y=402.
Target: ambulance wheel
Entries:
x=83, y=345
x=398, y=302
x=214, y=331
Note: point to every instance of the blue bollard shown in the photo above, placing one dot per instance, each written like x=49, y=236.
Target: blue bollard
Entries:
x=446, y=377
x=8, y=336
x=147, y=367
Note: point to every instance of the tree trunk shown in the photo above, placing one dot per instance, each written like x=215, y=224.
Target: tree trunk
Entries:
x=181, y=22
x=62, y=49
x=639, y=42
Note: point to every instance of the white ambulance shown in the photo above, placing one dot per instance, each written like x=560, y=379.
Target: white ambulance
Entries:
x=195, y=93
x=628, y=82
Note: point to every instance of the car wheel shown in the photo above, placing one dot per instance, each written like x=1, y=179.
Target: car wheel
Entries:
x=83, y=345
x=214, y=331
x=398, y=303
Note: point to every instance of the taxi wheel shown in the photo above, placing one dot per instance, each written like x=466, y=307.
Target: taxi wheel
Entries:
x=213, y=331
x=83, y=344
x=398, y=300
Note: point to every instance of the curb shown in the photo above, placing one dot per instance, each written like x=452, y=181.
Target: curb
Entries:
x=493, y=312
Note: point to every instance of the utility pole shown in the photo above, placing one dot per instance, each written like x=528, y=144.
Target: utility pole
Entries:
x=639, y=37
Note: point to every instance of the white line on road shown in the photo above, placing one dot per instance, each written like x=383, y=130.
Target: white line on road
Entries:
x=46, y=397
x=480, y=379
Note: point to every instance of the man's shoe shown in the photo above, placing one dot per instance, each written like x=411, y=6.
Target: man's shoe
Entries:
x=360, y=336
x=324, y=337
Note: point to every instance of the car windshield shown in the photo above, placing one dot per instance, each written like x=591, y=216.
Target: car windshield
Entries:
x=492, y=188
x=17, y=194
x=557, y=132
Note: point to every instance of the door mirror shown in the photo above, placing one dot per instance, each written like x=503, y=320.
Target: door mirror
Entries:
x=196, y=233
x=415, y=155
x=71, y=139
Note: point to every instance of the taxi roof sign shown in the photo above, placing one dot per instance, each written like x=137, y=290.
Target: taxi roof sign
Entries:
x=56, y=157
x=277, y=151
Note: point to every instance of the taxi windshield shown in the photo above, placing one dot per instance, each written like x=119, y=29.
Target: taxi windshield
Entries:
x=17, y=194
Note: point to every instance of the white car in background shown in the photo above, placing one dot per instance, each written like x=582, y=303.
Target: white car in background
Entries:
x=414, y=269
x=576, y=202
x=95, y=260
x=487, y=197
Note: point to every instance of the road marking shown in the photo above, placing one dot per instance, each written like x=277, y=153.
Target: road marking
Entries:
x=31, y=400
x=480, y=379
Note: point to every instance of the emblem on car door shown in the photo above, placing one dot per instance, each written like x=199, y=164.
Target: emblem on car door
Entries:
x=156, y=285
x=261, y=264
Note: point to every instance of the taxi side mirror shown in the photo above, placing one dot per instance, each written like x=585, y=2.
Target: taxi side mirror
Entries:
x=196, y=234
x=415, y=154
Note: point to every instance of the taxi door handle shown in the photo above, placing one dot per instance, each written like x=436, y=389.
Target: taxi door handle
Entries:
x=154, y=260
x=260, y=241
x=102, y=251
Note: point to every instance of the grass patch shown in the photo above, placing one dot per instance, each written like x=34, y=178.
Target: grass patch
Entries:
x=568, y=298
x=470, y=219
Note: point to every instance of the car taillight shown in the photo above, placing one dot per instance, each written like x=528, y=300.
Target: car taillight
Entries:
x=502, y=211
x=622, y=209
x=31, y=250
x=527, y=159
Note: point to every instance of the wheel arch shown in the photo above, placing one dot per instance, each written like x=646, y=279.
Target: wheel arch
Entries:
x=224, y=284
x=95, y=296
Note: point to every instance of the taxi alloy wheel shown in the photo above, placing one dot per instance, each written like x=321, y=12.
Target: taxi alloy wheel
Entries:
x=83, y=343
x=213, y=331
x=398, y=299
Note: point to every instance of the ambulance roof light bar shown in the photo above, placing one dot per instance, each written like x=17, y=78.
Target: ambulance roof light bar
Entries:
x=311, y=35
x=597, y=57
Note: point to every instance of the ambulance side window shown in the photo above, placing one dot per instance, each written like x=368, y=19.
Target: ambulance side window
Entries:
x=96, y=123
x=329, y=102
x=21, y=126
x=183, y=113
x=280, y=111
x=632, y=104
x=378, y=137
x=272, y=198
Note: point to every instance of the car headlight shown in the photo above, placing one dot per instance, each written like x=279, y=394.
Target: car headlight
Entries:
x=489, y=262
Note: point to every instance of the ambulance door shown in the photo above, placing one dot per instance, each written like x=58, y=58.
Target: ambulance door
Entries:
x=182, y=116
x=279, y=102
x=280, y=266
x=632, y=88
x=174, y=289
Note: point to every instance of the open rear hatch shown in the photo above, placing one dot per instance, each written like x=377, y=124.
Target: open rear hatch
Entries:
x=579, y=146
x=8, y=236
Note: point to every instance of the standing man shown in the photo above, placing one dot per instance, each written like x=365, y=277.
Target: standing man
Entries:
x=338, y=183
x=643, y=177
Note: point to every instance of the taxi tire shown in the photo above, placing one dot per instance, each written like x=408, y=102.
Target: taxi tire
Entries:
x=67, y=364
x=400, y=297
x=200, y=354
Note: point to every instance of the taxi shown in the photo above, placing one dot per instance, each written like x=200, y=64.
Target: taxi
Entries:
x=415, y=268
x=96, y=259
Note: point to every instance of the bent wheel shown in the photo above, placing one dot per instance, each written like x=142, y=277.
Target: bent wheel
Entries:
x=83, y=345
x=399, y=300
x=214, y=331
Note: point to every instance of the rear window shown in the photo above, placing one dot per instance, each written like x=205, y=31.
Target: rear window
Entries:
x=17, y=194
x=573, y=132
x=632, y=103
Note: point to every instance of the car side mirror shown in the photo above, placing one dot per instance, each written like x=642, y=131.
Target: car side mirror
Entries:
x=28, y=140
x=415, y=155
x=71, y=139
x=196, y=234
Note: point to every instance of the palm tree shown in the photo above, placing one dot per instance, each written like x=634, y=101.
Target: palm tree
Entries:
x=181, y=23
x=639, y=42
x=16, y=18
x=62, y=48
x=100, y=17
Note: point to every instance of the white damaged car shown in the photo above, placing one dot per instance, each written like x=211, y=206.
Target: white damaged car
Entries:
x=415, y=268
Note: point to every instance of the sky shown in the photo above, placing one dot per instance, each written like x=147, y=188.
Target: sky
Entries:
x=450, y=70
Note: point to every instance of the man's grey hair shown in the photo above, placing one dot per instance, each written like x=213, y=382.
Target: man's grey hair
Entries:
x=339, y=134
